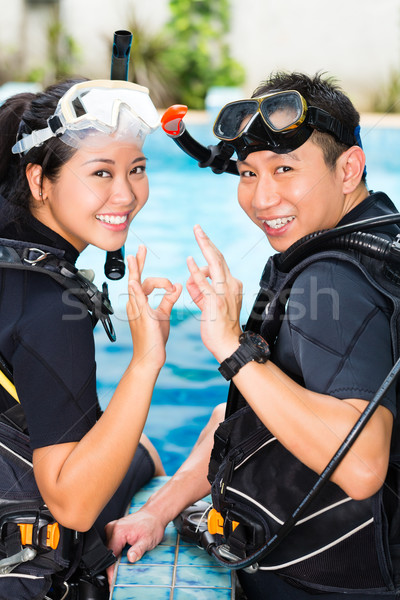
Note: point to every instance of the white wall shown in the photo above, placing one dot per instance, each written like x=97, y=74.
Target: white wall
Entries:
x=22, y=33
x=93, y=22
x=356, y=40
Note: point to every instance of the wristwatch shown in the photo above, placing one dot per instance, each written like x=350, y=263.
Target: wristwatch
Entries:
x=252, y=347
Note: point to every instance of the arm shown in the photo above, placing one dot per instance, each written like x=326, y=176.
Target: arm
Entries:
x=77, y=479
x=144, y=529
x=312, y=426
x=308, y=424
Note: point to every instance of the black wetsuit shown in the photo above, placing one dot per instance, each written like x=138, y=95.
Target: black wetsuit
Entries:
x=46, y=338
x=334, y=318
x=335, y=340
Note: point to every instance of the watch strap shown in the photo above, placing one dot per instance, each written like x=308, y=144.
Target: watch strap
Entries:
x=230, y=366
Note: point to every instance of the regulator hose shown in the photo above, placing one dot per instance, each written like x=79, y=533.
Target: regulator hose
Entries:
x=286, y=528
x=336, y=238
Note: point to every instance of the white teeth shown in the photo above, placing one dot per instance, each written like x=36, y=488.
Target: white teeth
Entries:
x=278, y=223
x=113, y=220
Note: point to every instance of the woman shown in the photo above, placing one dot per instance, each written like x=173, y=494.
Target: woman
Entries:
x=73, y=173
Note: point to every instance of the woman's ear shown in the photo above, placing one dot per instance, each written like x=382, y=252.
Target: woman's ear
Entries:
x=35, y=180
x=352, y=163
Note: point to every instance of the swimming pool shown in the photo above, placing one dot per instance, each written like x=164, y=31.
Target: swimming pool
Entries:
x=182, y=195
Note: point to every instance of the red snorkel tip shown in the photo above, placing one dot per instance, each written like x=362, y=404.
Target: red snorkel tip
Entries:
x=172, y=119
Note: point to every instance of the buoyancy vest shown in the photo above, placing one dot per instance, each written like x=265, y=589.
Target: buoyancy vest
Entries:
x=36, y=553
x=339, y=544
x=17, y=254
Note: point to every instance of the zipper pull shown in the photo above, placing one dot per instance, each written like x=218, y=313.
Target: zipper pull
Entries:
x=226, y=478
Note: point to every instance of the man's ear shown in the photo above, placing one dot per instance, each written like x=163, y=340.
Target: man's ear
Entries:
x=35, y=180
x=352, y=163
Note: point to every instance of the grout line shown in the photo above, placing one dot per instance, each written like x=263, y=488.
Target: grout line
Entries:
x=171, y=594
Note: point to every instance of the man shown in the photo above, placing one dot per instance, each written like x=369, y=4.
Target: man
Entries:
x=302, y=170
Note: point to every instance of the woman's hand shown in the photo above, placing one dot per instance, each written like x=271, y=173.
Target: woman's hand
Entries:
x=219, y=300
x=149, y=327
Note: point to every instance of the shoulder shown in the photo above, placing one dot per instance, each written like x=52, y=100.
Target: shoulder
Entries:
x=330, y=268
x=35, y=302
x=332, y=299
x=342, y=278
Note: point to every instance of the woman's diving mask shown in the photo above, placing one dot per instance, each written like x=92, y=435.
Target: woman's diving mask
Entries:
x=117, y=108
x=279, y=121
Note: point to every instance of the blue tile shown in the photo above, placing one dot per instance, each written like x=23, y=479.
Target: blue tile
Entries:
x=142, y=593
x=139, y=499
x=146, y=491
x=197, y=575
x=124, y=557
x=199, y=594
x=170, y=536
x=215, y=577
x=184, y=543
x=137, y=574
x=194, y=556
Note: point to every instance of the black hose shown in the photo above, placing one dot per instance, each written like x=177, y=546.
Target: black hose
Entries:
x=318, y=241
x=212, y=156
x=325, y=476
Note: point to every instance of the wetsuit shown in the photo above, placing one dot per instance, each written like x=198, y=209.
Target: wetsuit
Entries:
x=335, y=340
x=46, y=338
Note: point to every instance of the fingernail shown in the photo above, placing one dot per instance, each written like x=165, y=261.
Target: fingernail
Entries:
x=132, y=556
x=200, y=231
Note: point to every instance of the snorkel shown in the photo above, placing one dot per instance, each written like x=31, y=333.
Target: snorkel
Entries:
x=217, y=157
x=114, y=267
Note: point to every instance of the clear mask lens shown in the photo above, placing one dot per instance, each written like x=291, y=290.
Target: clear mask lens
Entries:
x=282, y=111
x=128, y=128
x=103, y=105
x=118, y=108
x=233, y=118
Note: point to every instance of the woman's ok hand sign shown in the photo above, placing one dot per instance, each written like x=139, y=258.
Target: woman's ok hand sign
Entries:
x=149, y=326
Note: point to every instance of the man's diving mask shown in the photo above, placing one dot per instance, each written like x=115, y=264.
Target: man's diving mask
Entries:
x=278, y=121
x=110, y=107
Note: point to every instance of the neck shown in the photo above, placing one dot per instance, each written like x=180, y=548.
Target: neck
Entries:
x=355, y=198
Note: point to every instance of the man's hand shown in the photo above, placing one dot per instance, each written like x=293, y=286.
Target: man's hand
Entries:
x=219, y=297
x=142, y=531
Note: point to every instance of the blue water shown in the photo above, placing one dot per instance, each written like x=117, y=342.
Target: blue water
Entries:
x=182, y=195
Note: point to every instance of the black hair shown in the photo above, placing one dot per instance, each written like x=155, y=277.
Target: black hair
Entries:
x=24, y=113
x=323, y=92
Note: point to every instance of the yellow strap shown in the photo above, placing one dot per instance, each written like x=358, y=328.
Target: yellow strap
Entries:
x=8, y=386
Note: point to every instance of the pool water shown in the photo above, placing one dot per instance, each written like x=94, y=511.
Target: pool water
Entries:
x=182, y=195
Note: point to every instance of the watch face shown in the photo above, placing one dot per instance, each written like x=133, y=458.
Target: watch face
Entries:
x=259, y=345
